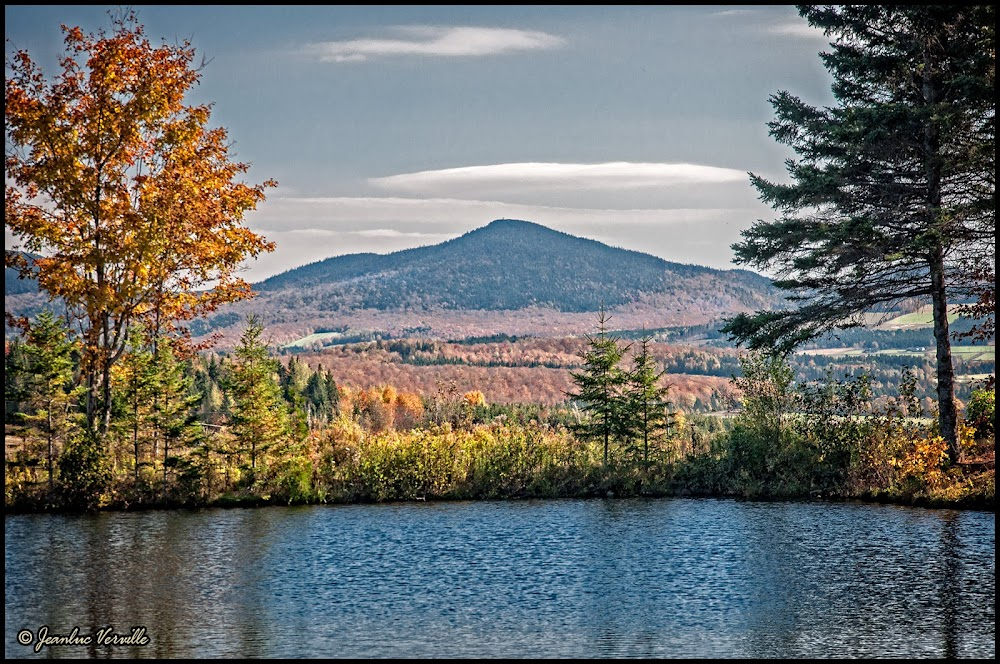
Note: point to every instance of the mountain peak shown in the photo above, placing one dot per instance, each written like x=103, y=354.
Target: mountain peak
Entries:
x=509, y=264
x=510, y=223
x=512, y=226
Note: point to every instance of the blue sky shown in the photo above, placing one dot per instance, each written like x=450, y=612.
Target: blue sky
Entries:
x=389, y=127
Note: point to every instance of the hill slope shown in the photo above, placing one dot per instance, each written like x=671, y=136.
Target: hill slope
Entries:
x=513, y=277
x=511, y=265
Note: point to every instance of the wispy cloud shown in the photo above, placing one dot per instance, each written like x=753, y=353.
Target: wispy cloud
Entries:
x=799, y=29
x=735, y=12
x=437, y=41
x=535, y=176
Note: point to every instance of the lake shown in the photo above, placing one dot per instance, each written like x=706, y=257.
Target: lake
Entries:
x=688, y=577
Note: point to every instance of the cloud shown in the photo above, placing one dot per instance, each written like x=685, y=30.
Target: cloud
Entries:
x=786, y=27
x=735, y=12
x=521, y=177
x=799, y=29
x=437, y=41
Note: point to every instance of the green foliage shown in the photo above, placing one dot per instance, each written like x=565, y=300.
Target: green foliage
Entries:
x=600, y=388
x=133, y=396
x=831, y=439
x=50, y=401
x=174, y=410
x=767, y=394
x=85, y=474
x=646, y=412
x=893, y=189
x=260, y=419
x=490, y=461
x=828, y=437
x=980, y=412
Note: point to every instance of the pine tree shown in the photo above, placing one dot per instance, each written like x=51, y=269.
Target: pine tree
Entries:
x=260, y=416
x=893, y=194
x=647, y=412
x=50, y=400
x=134, y=394
x=599, y=386
x=175, y=416
x=293, y=380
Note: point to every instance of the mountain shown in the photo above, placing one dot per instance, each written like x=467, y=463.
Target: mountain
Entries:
x=509, y=277
x=509, y=265
x=13, y=284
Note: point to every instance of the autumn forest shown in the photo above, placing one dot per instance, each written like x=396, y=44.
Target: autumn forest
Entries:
x=142, y=371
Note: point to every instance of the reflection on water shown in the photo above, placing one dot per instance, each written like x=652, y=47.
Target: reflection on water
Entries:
x=600, y=578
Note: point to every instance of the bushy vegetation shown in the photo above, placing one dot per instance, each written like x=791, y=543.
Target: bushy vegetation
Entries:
x=831, y=439
x=244, y=429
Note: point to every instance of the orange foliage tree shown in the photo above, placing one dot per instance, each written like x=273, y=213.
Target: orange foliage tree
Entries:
x=129, y=197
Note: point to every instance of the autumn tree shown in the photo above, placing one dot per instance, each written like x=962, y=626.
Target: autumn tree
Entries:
x=127, y=194
x=892, y=193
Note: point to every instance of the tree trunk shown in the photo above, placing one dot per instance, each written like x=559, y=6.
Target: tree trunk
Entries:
x=166, y=448
x=947, y=412
x=51, y=448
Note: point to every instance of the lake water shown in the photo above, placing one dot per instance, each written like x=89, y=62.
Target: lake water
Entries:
x=567, y=578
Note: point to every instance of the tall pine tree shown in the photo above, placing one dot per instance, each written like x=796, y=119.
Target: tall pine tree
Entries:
x=51, y=402
x=175, y=413
x=260, y=416
x=647, y=413
x=893, y=191
x=599, y=386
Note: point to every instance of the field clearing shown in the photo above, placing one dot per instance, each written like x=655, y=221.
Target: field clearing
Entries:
x=922, y=318
x=860, y=352
x=323, y=338
x=982, y=353
x=972, y=378
x=985, y=353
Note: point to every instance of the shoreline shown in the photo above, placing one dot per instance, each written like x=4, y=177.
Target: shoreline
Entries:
x=976, y=504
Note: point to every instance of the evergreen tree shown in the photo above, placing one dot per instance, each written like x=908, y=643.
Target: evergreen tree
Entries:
x=15, y=378
x=175, y=407
x=647, y=413
x=293, y=380
x=50, y=400
x=321, y=397
x=134, y=394
x=260, y=416
x=599, y=386
x=893, y=192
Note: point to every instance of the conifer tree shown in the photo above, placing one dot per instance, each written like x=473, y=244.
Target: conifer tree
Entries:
x=260, y=416
x=599, y=386
x=134, y=394
x=893, y=192
x=50, y=400
x=647, y=409
x=175, y=414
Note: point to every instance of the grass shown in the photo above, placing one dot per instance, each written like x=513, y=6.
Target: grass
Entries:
x=921, y=318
